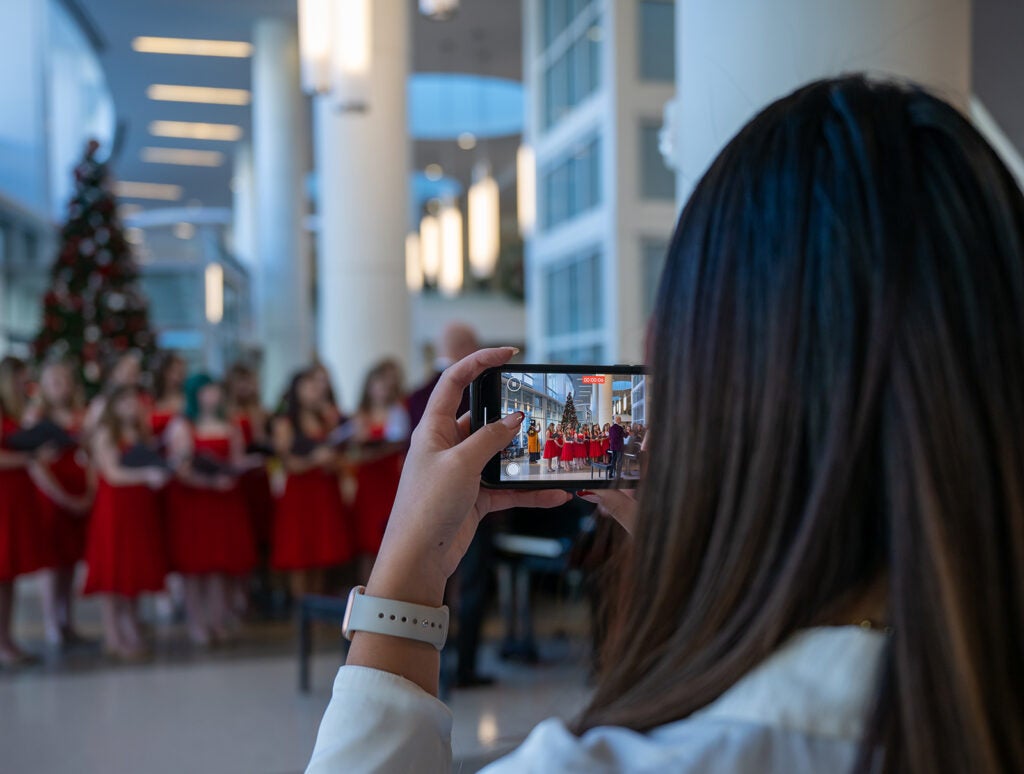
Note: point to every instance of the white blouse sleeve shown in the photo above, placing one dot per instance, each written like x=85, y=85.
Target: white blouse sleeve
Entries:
x=380, y=722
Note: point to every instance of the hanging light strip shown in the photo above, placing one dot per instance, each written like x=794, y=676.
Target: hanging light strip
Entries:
x=336, y=49
x=526, y=189
x=430, y=247
x=484, y=223
x=413, y=265
x=449, y=280
x=439, y=10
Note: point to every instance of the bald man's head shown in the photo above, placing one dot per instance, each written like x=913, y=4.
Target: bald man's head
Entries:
x=457, y=341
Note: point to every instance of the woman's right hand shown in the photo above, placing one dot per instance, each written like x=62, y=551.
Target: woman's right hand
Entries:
x=620, y=504
x=323, y=456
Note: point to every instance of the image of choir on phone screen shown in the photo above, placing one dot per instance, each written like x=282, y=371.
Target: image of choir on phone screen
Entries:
x=572, y=450
x=563, y=436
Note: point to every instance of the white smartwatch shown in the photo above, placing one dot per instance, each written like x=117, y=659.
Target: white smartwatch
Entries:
x=395, y=619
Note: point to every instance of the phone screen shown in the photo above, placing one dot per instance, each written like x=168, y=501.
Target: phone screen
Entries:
x=577, y=425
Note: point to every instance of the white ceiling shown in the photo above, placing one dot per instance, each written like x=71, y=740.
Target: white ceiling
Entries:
x=484, y=38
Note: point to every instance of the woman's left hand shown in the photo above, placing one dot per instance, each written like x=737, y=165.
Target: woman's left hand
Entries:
x=440, y=501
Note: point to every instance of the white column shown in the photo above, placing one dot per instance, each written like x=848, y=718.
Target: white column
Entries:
x=243, y=231
x=362, y=162
x=604, y=407
x=280, y=150
x=733, y=57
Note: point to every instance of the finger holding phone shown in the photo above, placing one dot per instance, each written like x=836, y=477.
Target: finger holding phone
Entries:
x=439, y=504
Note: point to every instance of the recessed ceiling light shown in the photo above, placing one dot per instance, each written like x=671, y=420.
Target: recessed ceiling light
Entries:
x=183, y=157
x=235, y=49
x=189, y=130
x=206, y=95
x=184, y=230
x=433, y=172
x=467, y=141
x=162, y=191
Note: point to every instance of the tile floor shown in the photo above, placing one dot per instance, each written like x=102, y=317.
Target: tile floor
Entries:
x=239, y=711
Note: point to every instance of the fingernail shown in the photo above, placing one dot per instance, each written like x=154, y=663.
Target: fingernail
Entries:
x=515, y=350
x=513, y=419
x=583, y=492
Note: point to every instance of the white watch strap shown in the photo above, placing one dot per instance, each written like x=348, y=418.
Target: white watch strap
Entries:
x=394, y=618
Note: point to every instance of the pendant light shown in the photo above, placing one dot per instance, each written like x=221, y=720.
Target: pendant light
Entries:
x=449, y=280
x=483, y=205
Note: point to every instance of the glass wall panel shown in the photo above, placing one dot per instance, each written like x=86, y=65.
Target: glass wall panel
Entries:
x=657, y=44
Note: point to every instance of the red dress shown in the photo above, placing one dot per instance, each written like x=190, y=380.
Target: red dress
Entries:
x=208, y=530
x=66, y=530
x=23, y=544
x=595, y=448
x=255, y=483
x=377, y=483
x=567, y=449
x=550, y=448
x=159, y=420
x=125, y=545
x=579, y=447
x=312, y=526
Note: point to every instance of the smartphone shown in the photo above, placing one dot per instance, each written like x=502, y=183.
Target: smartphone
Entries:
x=583, y=429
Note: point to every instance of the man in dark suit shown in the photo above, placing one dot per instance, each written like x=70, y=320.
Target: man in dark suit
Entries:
x=616, y=444
x=457, y=341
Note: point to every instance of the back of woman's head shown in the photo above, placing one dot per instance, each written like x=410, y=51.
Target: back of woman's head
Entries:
x=837, y=390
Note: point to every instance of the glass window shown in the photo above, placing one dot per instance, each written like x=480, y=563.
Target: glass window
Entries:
x=592, y=354
x=574, y=74
x=573, y=295
x=657, y=181
x=571, y=186
x=558, y=14
x=169, y=293
x=652, y=257
x=657, y=49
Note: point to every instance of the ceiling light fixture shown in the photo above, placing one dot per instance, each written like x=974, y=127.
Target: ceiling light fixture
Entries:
x=467, y=141
x=449, y=280
x=336, y=48
x=214, y=293
x=413, y=267
x=161, y=191
x=232, y=49
x=430, y=247
x=484, y=223
x=182, y=157
x=204, y=95
x=189, y=130
x=434, y=172
x=439, y=10
x=526, y=189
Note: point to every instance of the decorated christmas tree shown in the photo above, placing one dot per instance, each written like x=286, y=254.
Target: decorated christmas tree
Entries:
x=569, y=413
x=93, y=309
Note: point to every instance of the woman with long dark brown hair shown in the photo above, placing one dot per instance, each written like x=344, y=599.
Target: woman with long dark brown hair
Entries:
x=125, y=549
x=380, y=438
x=827, y=565
x=66, y=489
x=312, y=525
x=23, y=544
